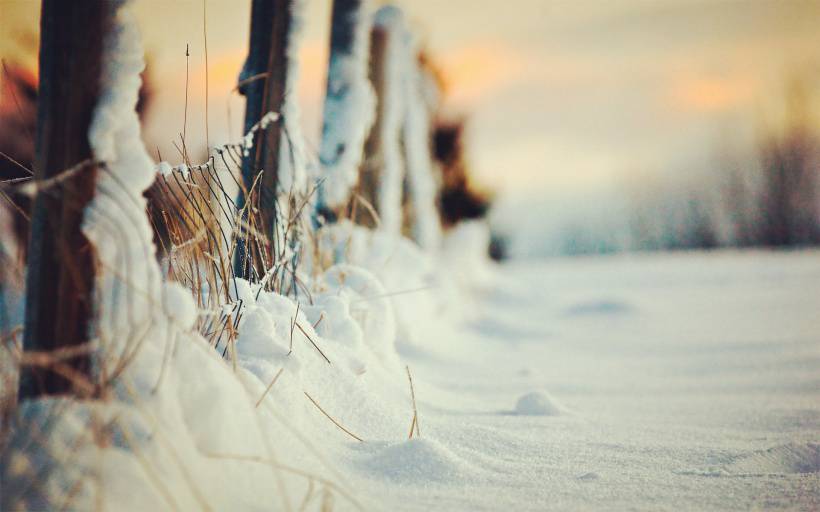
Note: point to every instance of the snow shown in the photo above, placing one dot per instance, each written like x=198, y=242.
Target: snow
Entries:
x=267, y=119
x=537, y=403
x=164, y=168
x=418, y=461
x=699, y=391
x=703, y=393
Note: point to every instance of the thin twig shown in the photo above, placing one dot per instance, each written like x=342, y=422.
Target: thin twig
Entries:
x=272, y=382
x=185, y=115
x=351, y=434
x=18, y=164
x=205, y=37
x=312, y=342
x=415, y=410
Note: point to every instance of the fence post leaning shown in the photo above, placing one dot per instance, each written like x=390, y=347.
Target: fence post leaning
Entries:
x=60, y=276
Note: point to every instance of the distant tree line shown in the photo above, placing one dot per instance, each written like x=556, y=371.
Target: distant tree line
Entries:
x=770, y=198
x=772, y=201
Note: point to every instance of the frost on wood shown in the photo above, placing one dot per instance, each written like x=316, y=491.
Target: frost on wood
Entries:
x=390, y=22
x=349, y=104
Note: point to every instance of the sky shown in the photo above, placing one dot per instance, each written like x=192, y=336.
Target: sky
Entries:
x=560, y=96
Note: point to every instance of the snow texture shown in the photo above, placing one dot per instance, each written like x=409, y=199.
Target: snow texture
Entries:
x=537, y=403
x=267, y=119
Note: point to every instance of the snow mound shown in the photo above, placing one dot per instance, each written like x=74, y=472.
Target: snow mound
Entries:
x=538, y=403
x=789, y=458
x=418, y=460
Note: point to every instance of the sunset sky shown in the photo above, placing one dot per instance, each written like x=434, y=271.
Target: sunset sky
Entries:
x=561, y=96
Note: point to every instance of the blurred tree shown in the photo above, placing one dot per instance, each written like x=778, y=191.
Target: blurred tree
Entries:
x=788, y=161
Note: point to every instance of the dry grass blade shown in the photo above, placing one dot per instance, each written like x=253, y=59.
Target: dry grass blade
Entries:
x=415, y=422
x=327, y=483
x=272, y=382
x=18, y=164
x=351, y=434
x=392, y=294
x=311, y=341
x=292, y=326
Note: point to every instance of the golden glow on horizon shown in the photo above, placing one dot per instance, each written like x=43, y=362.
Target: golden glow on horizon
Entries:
x=473, y=73
x=556, y=92
x=713, y=94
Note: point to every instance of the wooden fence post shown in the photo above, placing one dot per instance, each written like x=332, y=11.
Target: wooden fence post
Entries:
x=348, y=106
x=421, y=216
x=265, y=78
x=382, y=173
x=60, y=276
x=368, y=186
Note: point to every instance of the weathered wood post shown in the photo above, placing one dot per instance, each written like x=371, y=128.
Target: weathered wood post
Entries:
x=263, y=82
x=421, y=219
x=368, y=185
x=60, y=274
x=348, y=107
x=381, y=178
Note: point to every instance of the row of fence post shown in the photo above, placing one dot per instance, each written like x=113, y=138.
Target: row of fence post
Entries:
x=382, y=129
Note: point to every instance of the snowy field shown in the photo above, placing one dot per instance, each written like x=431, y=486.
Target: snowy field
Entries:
x=648, y=382
x=390, y=377
x=672, y=382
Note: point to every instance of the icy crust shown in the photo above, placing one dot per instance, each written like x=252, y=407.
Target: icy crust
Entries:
x=348, y=114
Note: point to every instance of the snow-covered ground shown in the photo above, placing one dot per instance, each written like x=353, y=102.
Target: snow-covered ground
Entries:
x=666, y=382
x=649, y=382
